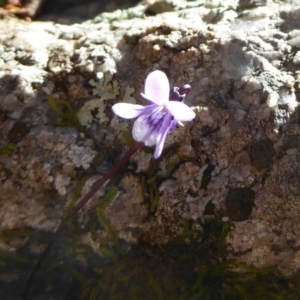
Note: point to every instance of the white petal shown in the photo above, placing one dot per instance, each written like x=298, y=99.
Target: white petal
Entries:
x=180, y=111
x=142, y=132
x=160, y=145
x=157, y=87
x=127, y=110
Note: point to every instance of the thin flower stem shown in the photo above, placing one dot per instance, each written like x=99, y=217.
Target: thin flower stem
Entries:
x=97, y=185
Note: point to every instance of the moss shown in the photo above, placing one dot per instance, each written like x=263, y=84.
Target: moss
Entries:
x=69, y=118
x=173, y=163
x=16, y=265
x=16, y=233
x=7, y=149
x=78, y=188
x=3, y=2
x=192, y=266
x=103, y=203
x=64, y=110
x=105, y=222
x=11, y=258
x=128, y=139
x=197, y=269
x=151, y=181
x=154, y=195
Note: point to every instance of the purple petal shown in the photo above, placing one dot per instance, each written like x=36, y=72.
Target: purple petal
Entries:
x=127, y=110
x=157, y=87
x=184, y=90
x=180, y=111
x=167, y=126
x=178, y=94
x=174, y=94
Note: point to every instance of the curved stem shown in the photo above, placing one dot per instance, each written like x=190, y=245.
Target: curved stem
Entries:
x=97, y=185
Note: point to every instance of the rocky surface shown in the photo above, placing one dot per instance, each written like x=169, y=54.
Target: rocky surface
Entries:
x=239, y=158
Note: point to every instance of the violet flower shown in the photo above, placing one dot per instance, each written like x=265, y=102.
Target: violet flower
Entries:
x=153, y=124
x=156, y=120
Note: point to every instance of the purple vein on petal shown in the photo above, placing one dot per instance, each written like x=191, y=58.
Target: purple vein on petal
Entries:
x=166, y=127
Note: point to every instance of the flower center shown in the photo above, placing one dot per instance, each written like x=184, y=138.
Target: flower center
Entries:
x=155, y=117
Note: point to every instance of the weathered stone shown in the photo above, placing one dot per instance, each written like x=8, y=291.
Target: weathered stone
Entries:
x=262, y=154
x=239, y=203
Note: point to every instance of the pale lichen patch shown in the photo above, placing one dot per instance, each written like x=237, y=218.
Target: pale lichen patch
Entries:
x=105, y=87
x=85, y=115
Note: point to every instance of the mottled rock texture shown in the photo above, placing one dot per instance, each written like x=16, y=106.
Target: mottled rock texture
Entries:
x=241, y=153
